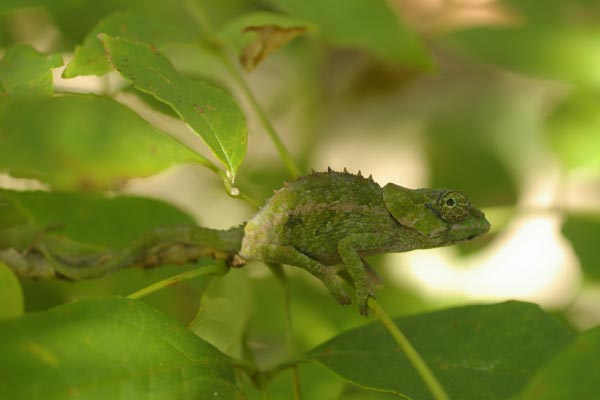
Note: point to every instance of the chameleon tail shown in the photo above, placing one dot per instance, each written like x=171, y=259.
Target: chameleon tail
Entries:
x=178, y=244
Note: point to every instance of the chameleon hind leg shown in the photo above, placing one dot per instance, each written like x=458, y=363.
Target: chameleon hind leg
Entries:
x=326, y=274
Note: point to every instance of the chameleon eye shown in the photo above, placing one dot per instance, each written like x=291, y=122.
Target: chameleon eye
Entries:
x=454, y=206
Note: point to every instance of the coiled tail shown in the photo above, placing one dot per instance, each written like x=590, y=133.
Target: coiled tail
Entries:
x=178, y=244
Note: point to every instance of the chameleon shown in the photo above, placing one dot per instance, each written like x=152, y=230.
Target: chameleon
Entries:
x=324, y=223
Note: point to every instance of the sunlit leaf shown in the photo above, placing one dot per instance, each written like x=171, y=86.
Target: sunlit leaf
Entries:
x=571, y=374
x=108, y=348
x=83, y=142
x=574, y=130
x=90, y=58
x=93, y=218
x=11, y=295
x=477, y=352
x=583, y=232
x=256, y=35
x=224, y=313
x=363, y=24
x=208, y=110
x=25, y=72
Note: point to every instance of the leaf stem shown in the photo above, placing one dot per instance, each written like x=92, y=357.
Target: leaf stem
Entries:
x=208, y=270
x=221, y=51
x=277, y=142
x=234, y=191
x=434, y=386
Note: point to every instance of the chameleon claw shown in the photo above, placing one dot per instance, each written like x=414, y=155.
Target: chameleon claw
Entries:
x=343, y=299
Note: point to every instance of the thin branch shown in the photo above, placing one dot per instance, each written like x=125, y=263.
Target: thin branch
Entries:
x=434, y=386
x=208, y=270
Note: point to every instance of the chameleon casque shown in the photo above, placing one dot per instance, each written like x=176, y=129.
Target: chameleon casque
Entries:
x=324, y=222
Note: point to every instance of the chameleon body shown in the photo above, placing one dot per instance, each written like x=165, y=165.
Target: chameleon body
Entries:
x=326, y=222
x=323, y=222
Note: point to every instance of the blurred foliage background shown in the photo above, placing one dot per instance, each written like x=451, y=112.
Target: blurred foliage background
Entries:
x=499, y=99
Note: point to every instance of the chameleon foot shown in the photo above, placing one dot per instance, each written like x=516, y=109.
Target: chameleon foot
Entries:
x=361, y=300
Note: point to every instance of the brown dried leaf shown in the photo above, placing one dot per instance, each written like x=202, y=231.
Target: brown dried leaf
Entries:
x=269, y=38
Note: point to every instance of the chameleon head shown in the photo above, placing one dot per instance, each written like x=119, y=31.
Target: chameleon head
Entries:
x=441, y=217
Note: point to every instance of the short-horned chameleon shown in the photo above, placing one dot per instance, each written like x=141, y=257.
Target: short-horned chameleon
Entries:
x=323, y=222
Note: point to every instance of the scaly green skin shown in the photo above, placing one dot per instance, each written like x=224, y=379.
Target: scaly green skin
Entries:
x=323, y=222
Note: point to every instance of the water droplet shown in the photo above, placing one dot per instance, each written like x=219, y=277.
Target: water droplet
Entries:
x=234, y=191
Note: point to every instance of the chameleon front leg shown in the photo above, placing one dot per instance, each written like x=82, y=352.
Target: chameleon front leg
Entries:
x=326, y=274
x=348, y=249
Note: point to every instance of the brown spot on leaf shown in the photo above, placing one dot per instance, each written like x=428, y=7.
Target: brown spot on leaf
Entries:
x=270, y=38
x=199, y=108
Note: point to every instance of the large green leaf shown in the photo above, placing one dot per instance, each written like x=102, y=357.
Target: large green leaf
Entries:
x=571, y=374
x=583, y=232
x=108, y=348
x=25, y=72
x=90, y=58
x=549, y=38
x=11, y=295
x=208, y=110
x=92, y=218
x=83, y=142
x=365, y=24
x=477, y=352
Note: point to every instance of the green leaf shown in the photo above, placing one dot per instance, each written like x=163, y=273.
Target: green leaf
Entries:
x=11, y=295
x=83, y=142
x=477, y=352
x=583, y=232
x=364, y=24
x=108, y=348
x=90, y=58
x=25, y=72
x=571, y=374
x=208, y=110
x=95, y=219
x=574, y=130
x=224, y=313
x=546, y=38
